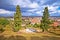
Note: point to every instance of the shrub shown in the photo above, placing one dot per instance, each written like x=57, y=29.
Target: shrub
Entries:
x=36, y=25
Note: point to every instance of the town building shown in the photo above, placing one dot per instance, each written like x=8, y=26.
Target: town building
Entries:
x=37, y=19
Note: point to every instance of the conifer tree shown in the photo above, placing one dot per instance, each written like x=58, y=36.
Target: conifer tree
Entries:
x=45, y=20
x=17, y=18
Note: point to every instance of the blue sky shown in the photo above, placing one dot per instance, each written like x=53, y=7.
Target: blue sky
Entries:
x=29, y=7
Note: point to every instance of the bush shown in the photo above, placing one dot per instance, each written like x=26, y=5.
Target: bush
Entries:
x=3, y=23
x=36, y=25
x=1, y=30
x=15, y=29
x=58, y=26
x=29, y=25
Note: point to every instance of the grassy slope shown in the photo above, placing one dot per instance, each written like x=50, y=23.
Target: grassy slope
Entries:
x=32, y=36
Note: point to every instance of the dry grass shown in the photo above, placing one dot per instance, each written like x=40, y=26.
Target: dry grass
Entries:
x=31, y=36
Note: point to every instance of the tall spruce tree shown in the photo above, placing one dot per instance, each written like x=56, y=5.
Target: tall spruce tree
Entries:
x=45, y=20
x=17, y=18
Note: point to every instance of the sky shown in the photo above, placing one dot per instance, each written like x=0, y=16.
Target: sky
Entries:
x=29, y=7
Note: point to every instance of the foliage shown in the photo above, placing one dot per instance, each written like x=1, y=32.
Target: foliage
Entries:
x=36, y=25
x=58, y=26
x=1, y=28
x=51, y=21
x=8, y=28
x=29, y=25
x=3, y=23
x=45, y=19
x=17, y=19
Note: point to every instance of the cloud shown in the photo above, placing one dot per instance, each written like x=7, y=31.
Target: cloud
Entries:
x=30, y=7
x=40, y=13
x=22, y=3
x=50, y=2
x=3, y=11
x=59, y=11
x=33, y=5
x=56, y=4
x=52, y=8
x=26, y=3
x=32, y=10
x=26, y=14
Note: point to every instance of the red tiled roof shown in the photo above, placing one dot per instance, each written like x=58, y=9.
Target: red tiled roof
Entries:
x=55, y=24
x=35, y=20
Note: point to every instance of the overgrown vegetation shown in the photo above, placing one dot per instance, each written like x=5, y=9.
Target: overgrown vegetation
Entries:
x=36, y=25
x=3, y=23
